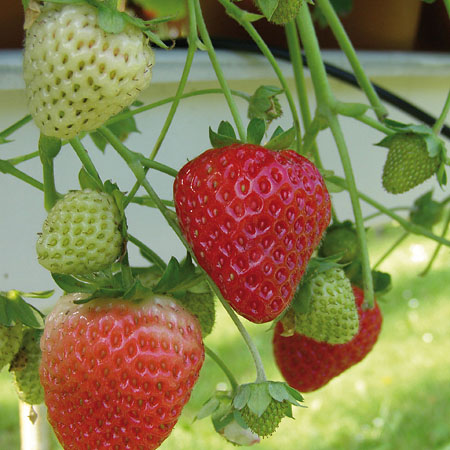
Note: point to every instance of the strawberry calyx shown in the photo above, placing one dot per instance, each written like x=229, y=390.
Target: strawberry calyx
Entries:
x=110, y=17
x=264, y=104
x=262, y=405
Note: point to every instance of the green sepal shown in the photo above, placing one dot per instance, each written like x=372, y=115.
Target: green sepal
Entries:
x=72, y=285
x=301, y=302
x=208, y=408
x=178, y=277
x=14, y=309
x=281, y=391
x=109, y=19
x=242, y=396
x=224, y=136
x=255, y=131
x=87, y=181
x=281, y=139
x=267, y=7
x=426, y=212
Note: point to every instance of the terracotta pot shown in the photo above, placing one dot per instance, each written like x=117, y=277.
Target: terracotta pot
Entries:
x=372, y=24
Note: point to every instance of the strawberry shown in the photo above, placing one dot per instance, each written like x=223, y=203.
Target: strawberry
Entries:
x=285, y=11
x=307, y=365
x=116, y=373
x=10, y=341
x=253, y=217
x=408, y=162
x=340, y=238
x=331, y=315
x=81, y=234
x=76, y=74
x=25, y=368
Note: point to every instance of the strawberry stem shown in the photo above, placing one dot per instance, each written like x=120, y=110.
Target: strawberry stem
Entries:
x=437, y=127
x=344, y=42
x=216, y=358
x=325, y=106
x=218, y=70
x=14, y=127
x=85, y=159
x=23, y=158
x=436, y=250
x=7, y=168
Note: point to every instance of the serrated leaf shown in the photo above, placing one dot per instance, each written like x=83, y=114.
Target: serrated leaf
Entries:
x=208, y=408
x=226, y=129
x=110, y=20
x=255, y=131
x=259, y=398
x=242, y=396
x=219, y=140
x=13, y=308
x=71, y=285
x=282, y=140
x=178, y=277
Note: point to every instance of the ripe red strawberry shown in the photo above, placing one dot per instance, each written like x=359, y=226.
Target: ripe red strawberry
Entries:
x=308, y=365
x=116, y=373
x=253, y=217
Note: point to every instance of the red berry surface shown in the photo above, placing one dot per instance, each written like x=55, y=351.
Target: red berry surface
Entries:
x=308, y=365
x=116, y=374
x=253, y=217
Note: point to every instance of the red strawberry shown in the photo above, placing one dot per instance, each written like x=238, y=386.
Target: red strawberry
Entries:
x=307, y=365
x=117, y=373
x=253, y=217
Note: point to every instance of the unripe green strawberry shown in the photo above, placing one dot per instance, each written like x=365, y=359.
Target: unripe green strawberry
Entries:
x=332, y=315
x=268, y=422
x=25, y=368
x=81, y=234
x=408, y=162
x=76, y=74
x=286, y=11
x=10, y=340
x=340, y=239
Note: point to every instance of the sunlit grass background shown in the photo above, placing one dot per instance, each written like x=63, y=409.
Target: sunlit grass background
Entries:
x=397, y=398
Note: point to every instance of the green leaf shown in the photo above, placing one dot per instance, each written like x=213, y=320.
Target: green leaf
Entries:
x=99, y=141
x=208, y=408
x=255, y=131
x=382, y=282
x=110, y=20
x=220, y=140
x=226, y=129
x=242, y=396
x=178, y=277
x=14, y=309
x=71, y=285
x=87, y=181
x=426, y=212
x=282, y=140
x=259, y=398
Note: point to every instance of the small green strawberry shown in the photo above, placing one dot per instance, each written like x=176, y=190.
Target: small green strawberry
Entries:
x=81, y=234
x=340, y=238
x=76, y=74
x=262, y=405
x=285, y=11
x=408, y=162
x=25, y=368
x=10, y=340
x=330, y=314
x=265, y=424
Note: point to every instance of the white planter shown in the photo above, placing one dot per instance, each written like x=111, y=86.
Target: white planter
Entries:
x=423, y=78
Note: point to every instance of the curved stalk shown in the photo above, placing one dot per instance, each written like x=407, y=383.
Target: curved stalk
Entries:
x=85, y=159
x=215, y=357
x=15, y=126
x=437, y=127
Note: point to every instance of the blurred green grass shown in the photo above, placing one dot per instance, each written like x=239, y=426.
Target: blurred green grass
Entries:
x=397, y=398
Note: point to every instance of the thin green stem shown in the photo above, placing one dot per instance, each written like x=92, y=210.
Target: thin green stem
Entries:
x=15, y=126
x=237, y=14
x=391, y=249
x=380, y=213
x=171, y=219
x=218, y=70
x=437, y=249
x=132, y=112
x=408, y=226
x=437, y=127
x=325, y=106
x=148, y=252
x=50, y=194
x=216, y=358
x=150, y=164
x=374, y=124
x=83, y=155
x=23, y=158
x=183, y=80
x=7, y=168
x=145, y=201
x=346, y=45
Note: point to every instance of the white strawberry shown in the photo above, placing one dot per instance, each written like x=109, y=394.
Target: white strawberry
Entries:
x=76, y=74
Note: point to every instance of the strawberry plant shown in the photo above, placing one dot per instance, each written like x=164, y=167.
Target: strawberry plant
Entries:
x=118, y=356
